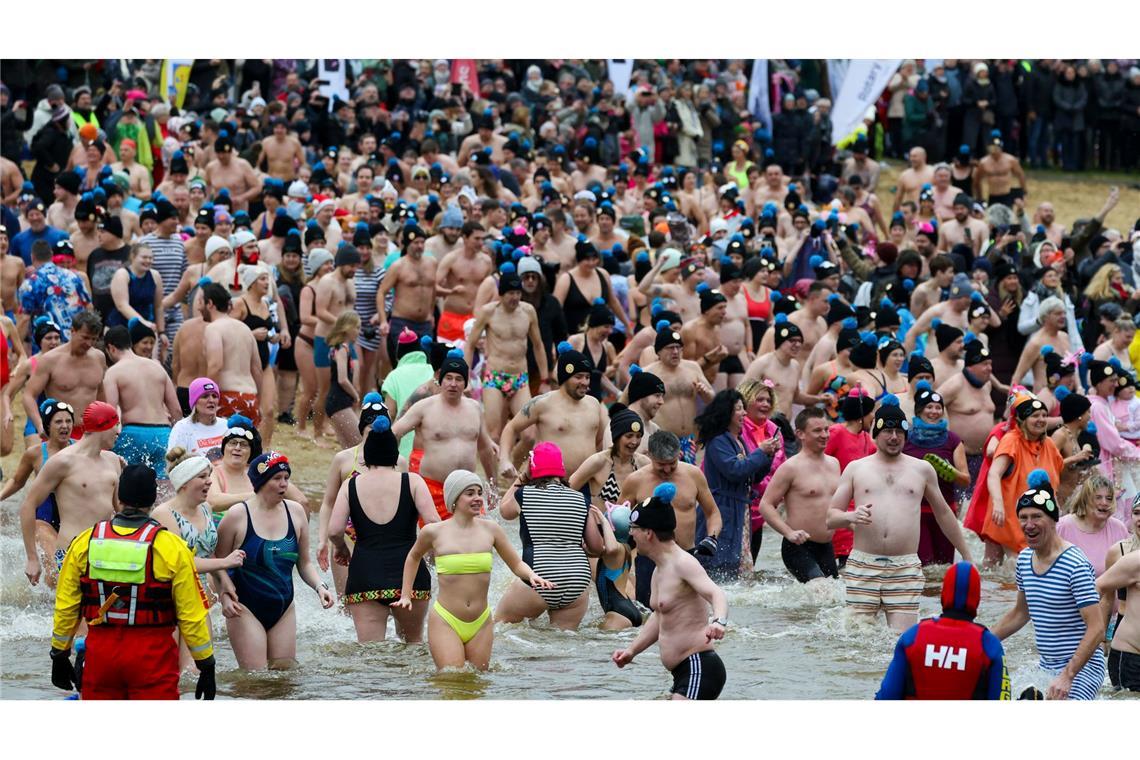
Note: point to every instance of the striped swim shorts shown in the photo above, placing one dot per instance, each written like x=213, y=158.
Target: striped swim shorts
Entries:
x=893, y=583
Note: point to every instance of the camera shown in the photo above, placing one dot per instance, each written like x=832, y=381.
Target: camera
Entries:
x=369, y=332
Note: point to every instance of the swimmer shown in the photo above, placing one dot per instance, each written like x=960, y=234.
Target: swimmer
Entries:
x=553, y=526
x=883, y=569
x=680, y=598
x=612, y=579
x=805, y=483
x=263, y=629
x=83, y=479
x=345, y=463
x=458, y=630
x=58, y=419
x=383, y=505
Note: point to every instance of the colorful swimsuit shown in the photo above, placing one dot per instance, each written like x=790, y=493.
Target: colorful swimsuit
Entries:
x=264, y=584
x=507, y=383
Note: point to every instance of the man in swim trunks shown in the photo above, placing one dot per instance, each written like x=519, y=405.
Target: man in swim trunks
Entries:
x=883, y=569
x=805, y=483
x=231, y=356
x=1056, y=591
x=509, y=324
x=665, y=466
x=457, y=279
x=335, y=294
x=144, y=394
x=680, y=597
x=451, y=426
x=71, y=373
x=412, y=279
x=569, y=417
x=683, y=380
x=83, y=479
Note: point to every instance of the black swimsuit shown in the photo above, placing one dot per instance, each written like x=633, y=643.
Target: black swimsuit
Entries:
x=597, y=372
x=376, y=571
x=577, y=308
x=252, y=321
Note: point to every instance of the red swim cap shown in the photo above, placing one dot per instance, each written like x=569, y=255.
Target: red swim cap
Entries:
x=962, y=589
x=99, y=416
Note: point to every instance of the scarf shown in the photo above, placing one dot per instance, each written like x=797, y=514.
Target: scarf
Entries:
x=971, y=379
x=928, y=435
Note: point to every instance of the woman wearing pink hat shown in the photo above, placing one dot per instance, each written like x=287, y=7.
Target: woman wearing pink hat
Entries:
x=201, y=433
x=553, y=525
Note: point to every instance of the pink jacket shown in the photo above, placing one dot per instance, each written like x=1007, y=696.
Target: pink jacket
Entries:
x=753, y=434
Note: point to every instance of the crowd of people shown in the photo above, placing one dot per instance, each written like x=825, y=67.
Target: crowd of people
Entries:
x=652, y=324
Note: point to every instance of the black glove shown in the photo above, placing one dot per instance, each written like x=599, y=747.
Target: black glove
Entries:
x=707, y=547
x=62, y=674
x=207, y=687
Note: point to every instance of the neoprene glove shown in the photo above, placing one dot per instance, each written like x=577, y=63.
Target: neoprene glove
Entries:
x=207, y=686
x=62, y=674
x=707, y=547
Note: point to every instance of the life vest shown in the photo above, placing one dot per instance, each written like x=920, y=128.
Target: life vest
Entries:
x=947, y=660
x=118, y=586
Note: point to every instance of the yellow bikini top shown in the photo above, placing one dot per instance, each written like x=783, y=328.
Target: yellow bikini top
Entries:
x=463, y=564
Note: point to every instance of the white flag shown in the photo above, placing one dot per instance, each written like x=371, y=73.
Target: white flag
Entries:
x=758, y=93
x=331, y=70
x=621, y=72
x=864, y=83
x=836, y=73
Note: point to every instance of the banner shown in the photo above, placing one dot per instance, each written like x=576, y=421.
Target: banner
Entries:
x=174, y=78
x=331, y=70
x=464, y=70
x=758, y=104
x=864, y=83
x=836, y=73
x=621, y=72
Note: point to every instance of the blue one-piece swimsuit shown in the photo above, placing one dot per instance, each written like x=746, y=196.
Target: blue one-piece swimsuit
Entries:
x=264, y=583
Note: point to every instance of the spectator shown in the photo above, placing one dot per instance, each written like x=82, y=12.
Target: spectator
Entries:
x=1070, y=98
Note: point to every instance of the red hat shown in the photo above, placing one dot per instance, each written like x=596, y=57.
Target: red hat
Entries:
x=99, y=416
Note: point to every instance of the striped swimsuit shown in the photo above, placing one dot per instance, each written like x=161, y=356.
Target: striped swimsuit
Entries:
x=552, y=522
x=170, y=263
x=367, y=283
x=1055, y=599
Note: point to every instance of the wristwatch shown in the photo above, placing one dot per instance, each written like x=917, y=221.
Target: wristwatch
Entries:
x=722, y=622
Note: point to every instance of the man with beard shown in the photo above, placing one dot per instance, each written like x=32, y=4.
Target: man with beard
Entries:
x=447, y=240
x=963, y=228
x=883, y=569
x=569, y=417
x=683, y=380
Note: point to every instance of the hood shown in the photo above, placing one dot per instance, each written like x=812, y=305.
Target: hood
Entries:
x=961, y=591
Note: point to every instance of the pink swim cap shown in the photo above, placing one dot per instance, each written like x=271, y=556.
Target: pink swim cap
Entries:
x=546, y=460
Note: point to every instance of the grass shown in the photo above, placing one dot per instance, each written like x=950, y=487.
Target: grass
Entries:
x=1073, y=195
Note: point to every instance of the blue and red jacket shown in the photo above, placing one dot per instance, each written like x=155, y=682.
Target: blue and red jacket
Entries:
x=945, y=658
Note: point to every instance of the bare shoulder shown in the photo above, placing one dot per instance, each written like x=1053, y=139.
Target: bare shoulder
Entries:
x=528, y=309
x=535, y=406
x=640, y=461
x=692, y=472
x=692, y=368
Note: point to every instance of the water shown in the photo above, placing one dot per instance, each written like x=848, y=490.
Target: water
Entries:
x=784, y=641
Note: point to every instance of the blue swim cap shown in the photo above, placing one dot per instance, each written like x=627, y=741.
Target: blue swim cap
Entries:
x=619, y=520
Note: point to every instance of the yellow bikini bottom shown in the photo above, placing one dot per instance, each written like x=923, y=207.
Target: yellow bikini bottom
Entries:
x=465, y=630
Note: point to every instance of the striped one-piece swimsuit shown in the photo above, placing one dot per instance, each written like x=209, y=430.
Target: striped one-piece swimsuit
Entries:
x=552, y=522
x=1055, y=599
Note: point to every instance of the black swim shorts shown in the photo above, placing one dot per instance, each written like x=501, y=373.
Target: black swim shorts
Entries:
x=809, y=560
x=699, y=676
x=731, y=365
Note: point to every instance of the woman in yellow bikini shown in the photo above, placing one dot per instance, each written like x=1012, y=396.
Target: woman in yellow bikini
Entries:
x=459, y=625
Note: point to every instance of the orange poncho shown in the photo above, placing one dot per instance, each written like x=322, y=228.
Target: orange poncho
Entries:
x=1027, y=456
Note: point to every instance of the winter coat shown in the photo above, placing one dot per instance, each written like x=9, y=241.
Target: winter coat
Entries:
x=1070, y=99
